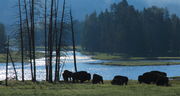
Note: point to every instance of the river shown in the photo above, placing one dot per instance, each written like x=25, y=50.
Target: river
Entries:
x=108, y=72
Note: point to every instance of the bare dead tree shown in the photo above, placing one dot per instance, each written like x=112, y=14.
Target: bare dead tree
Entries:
x=33, y=37
x=51, y=35
x=56, y=40
x=29, y=37
x=50, y=42
x=7, y=62
x=21, y=37
x=45, y=34
x=16, y=76
x=73, y=40
x=58, y=50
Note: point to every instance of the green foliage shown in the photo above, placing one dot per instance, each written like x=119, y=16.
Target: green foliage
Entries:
x=123, y=29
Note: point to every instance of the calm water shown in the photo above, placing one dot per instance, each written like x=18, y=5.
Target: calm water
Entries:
x=108, y=72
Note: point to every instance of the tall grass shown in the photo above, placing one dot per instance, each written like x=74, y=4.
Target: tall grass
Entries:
x=87, y=89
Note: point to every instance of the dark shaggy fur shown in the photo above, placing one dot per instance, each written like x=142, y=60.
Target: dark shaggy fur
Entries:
x=67, y=75
x=154, y=77
x=97, y=79
x=119, y=80
x=81, y=76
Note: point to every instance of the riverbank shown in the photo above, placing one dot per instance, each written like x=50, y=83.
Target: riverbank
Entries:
x=137, y=63
x=61, y=89
x=105, y=56
x=16, y=56
x=122, y=60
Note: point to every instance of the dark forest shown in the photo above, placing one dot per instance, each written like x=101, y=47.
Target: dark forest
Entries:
x=123, y=29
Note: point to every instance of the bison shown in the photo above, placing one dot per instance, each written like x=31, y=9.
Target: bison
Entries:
x=160, y=73
x=81, y=76
x=162, y=81
x=154, y=77
x=97, y=79
x=119, y=80
x=67, y=75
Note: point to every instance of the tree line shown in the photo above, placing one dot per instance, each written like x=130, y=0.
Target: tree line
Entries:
x=124, y=29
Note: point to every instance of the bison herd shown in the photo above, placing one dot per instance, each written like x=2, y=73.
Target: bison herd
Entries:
x=153, y=77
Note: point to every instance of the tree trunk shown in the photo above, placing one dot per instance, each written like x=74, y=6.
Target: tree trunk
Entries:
x=73, y=39
x=21, y=36
x=33, y=37
x=13, y=66
x=29, y=37
x=45, y=44
x=7, y=61
x=56, y=40
x=50, y=42
x=58, y=51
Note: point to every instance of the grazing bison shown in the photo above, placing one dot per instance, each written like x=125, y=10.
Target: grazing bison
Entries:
x=119, y=80
x=67, y=75
x=150, y=77
x=97, y=79
x=140, y=79
x=160, y=73
x=154, y=77
x=162, y=81
x=88, y=76
x=81, y=76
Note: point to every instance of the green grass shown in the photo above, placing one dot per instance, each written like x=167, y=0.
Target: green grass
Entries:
x=169, y=58
x=175, y=78
x=61, y=89
x=139, y=63
x=117, y=56
x=106, y=57
x=17, y=57
x=130, y=61
x=103, y=56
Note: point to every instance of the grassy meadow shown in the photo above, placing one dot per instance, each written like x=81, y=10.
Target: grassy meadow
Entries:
x=139, y=63
x=123, y=60
x=16, y=56
x=61, y=89
x=116, y=56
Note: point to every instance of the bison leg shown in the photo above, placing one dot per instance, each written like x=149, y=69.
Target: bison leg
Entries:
x=102, y=82
x=126, y=83
x=81, y=81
